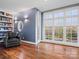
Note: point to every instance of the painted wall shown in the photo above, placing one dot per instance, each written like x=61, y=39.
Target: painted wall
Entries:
x=28, y=31
x=41, y=26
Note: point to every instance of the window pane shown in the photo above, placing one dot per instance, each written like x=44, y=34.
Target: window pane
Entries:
x=68, y=34
x=58, y=34
x=75, y=21
x=74, y=34
x=72, y=21
x=48, y=15
x=72, y=12
x=60, y=14
x=48, y=22
x=48, y=33
x=71, y=34
x=68, y=21
x=59, y=22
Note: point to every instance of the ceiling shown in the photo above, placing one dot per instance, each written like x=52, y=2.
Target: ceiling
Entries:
x=43, y=5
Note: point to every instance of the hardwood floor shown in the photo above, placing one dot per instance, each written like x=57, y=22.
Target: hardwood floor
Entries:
x=42, y=51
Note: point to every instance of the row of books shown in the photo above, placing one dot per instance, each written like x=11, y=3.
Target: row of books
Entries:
x=5, y=24
x=4, y=18
x=5, y=28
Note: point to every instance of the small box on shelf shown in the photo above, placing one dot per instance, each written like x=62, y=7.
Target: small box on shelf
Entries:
x=1, y=13
x=7, y=14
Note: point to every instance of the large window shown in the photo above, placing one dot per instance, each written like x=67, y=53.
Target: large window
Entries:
x=65, y=23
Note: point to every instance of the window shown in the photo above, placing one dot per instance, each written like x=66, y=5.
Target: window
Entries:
x=72, y=12
x=59, y=22
x=58, y=33
x=65, y=23
x=59, y=14
x=48, y=33
x=48, y=15
x=71, y=34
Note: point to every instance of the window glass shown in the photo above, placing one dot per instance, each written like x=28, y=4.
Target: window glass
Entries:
x=72, y=12
x=59, y=22
x=48, y=33
x=71, y=21
x=68, y=34
x=75, y=21
x=68, y=21
x=58, y=34
x=74, y=34
x=71, y=34
x=48, y=23
x=48, y=15
x=60, y=14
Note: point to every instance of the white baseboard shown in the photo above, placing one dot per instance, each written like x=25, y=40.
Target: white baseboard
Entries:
x=62, y=43
x=28, y=42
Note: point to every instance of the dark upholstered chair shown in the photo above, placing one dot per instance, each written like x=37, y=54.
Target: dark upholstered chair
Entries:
x=12, y=39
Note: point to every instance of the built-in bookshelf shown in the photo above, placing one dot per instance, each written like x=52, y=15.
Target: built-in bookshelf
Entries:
x=6, y=23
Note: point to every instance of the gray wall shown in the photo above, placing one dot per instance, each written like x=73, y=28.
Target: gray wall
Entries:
x=28, y=31
x=41, y=26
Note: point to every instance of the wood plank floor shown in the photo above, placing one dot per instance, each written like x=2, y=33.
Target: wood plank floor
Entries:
x=42, y=51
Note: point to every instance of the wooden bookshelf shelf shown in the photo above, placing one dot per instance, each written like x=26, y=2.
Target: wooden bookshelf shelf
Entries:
x=6, y=23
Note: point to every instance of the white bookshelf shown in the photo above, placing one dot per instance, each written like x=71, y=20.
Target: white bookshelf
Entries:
x=6, y=24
